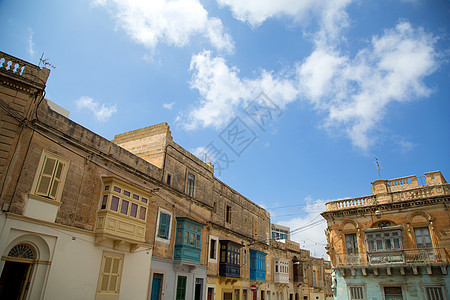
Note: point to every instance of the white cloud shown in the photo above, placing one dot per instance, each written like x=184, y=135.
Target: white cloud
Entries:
x=354, y=92
x=30, y=43
x=168, y=106
x=223, y=91
x=172, y=22
x=255, y=12
x=101, y=111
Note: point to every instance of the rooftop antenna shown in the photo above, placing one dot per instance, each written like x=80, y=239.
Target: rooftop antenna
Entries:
x=378, y=167
x=45, y=62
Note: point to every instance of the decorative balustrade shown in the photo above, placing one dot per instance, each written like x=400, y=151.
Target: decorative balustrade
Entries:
x=402, y=183
x=418, y=193
x=350, y=203
x=17, y=68
x=397, y=257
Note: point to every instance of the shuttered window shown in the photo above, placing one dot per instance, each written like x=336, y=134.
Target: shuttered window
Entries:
x=51, y=176
x=423, y=238
x=357, y=293
x=181, y=288
x=164, y=225
x=435, y=293
x=110, y=273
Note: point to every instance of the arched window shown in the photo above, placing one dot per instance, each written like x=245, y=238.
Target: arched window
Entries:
x=22, y=251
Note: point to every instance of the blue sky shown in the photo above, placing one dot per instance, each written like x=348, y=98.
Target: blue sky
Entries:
x=341, y=82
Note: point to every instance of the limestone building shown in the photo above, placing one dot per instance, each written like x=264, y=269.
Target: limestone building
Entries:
x=138, y=217
x=393, y=244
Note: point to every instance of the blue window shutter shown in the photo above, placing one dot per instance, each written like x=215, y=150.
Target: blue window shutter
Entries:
x=164, y=224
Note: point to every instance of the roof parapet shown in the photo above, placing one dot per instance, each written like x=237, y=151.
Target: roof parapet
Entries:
x=23, y=71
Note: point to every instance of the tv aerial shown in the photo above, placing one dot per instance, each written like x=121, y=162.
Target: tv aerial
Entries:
x=45, y=62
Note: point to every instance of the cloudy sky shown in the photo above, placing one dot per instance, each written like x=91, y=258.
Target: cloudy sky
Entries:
x=291, y=100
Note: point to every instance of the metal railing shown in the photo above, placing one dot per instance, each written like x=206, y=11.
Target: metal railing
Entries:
x=394, y=257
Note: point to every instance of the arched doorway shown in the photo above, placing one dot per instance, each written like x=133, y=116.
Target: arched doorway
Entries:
x=15, y=278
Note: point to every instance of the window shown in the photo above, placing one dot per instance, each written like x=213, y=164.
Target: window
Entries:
x=423, y=238
x=50, y=177
x=279, y=234
x=213, y=241
x=393, y=293
x=257, y=265
x=314, y=278
x=188, y=240
x=268, y=265
x=255, y=226
x=181, y=288
x=434, y=293
x=110, y=273
x=228, y=214
x=169, y=179
x=356, y=293
x=245, y=257
x=119, y=200
x=351, y=243
x=210, y=293
x=164, y=224
x=384, y=240
x=190, y=184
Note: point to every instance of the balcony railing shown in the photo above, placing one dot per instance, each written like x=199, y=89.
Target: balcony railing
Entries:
x=397, y=196
x=397, y=257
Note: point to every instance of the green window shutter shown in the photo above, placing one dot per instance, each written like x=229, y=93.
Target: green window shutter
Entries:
x=181, y=288
x=164, y=225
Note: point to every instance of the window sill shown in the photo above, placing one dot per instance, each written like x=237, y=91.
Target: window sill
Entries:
x=44, y=199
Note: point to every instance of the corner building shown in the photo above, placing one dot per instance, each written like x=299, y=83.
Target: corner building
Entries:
x=393, y=244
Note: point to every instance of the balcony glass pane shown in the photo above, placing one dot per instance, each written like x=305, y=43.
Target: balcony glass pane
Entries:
x=114, y=203
x=133, y=210
x=124, y=207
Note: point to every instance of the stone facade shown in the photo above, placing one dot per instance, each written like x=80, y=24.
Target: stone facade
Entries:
x=138, y=217
x=394, y=243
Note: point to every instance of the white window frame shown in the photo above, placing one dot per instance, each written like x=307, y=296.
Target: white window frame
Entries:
x=267, y=265
x=159, y=239
x=47, y=154
x=216, y=239
x=210, y=286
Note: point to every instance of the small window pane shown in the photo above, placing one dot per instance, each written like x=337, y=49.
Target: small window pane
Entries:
x=388, y=245
x=145, y=200
x=104, y=201
x=135, y=197
x=396, y=243
x=179, y=232
x=133, y=210
x=124, y=207
x=142, y=212
x=117, y=189
x=126, y=193
x=106, y=187
x=114, y=203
